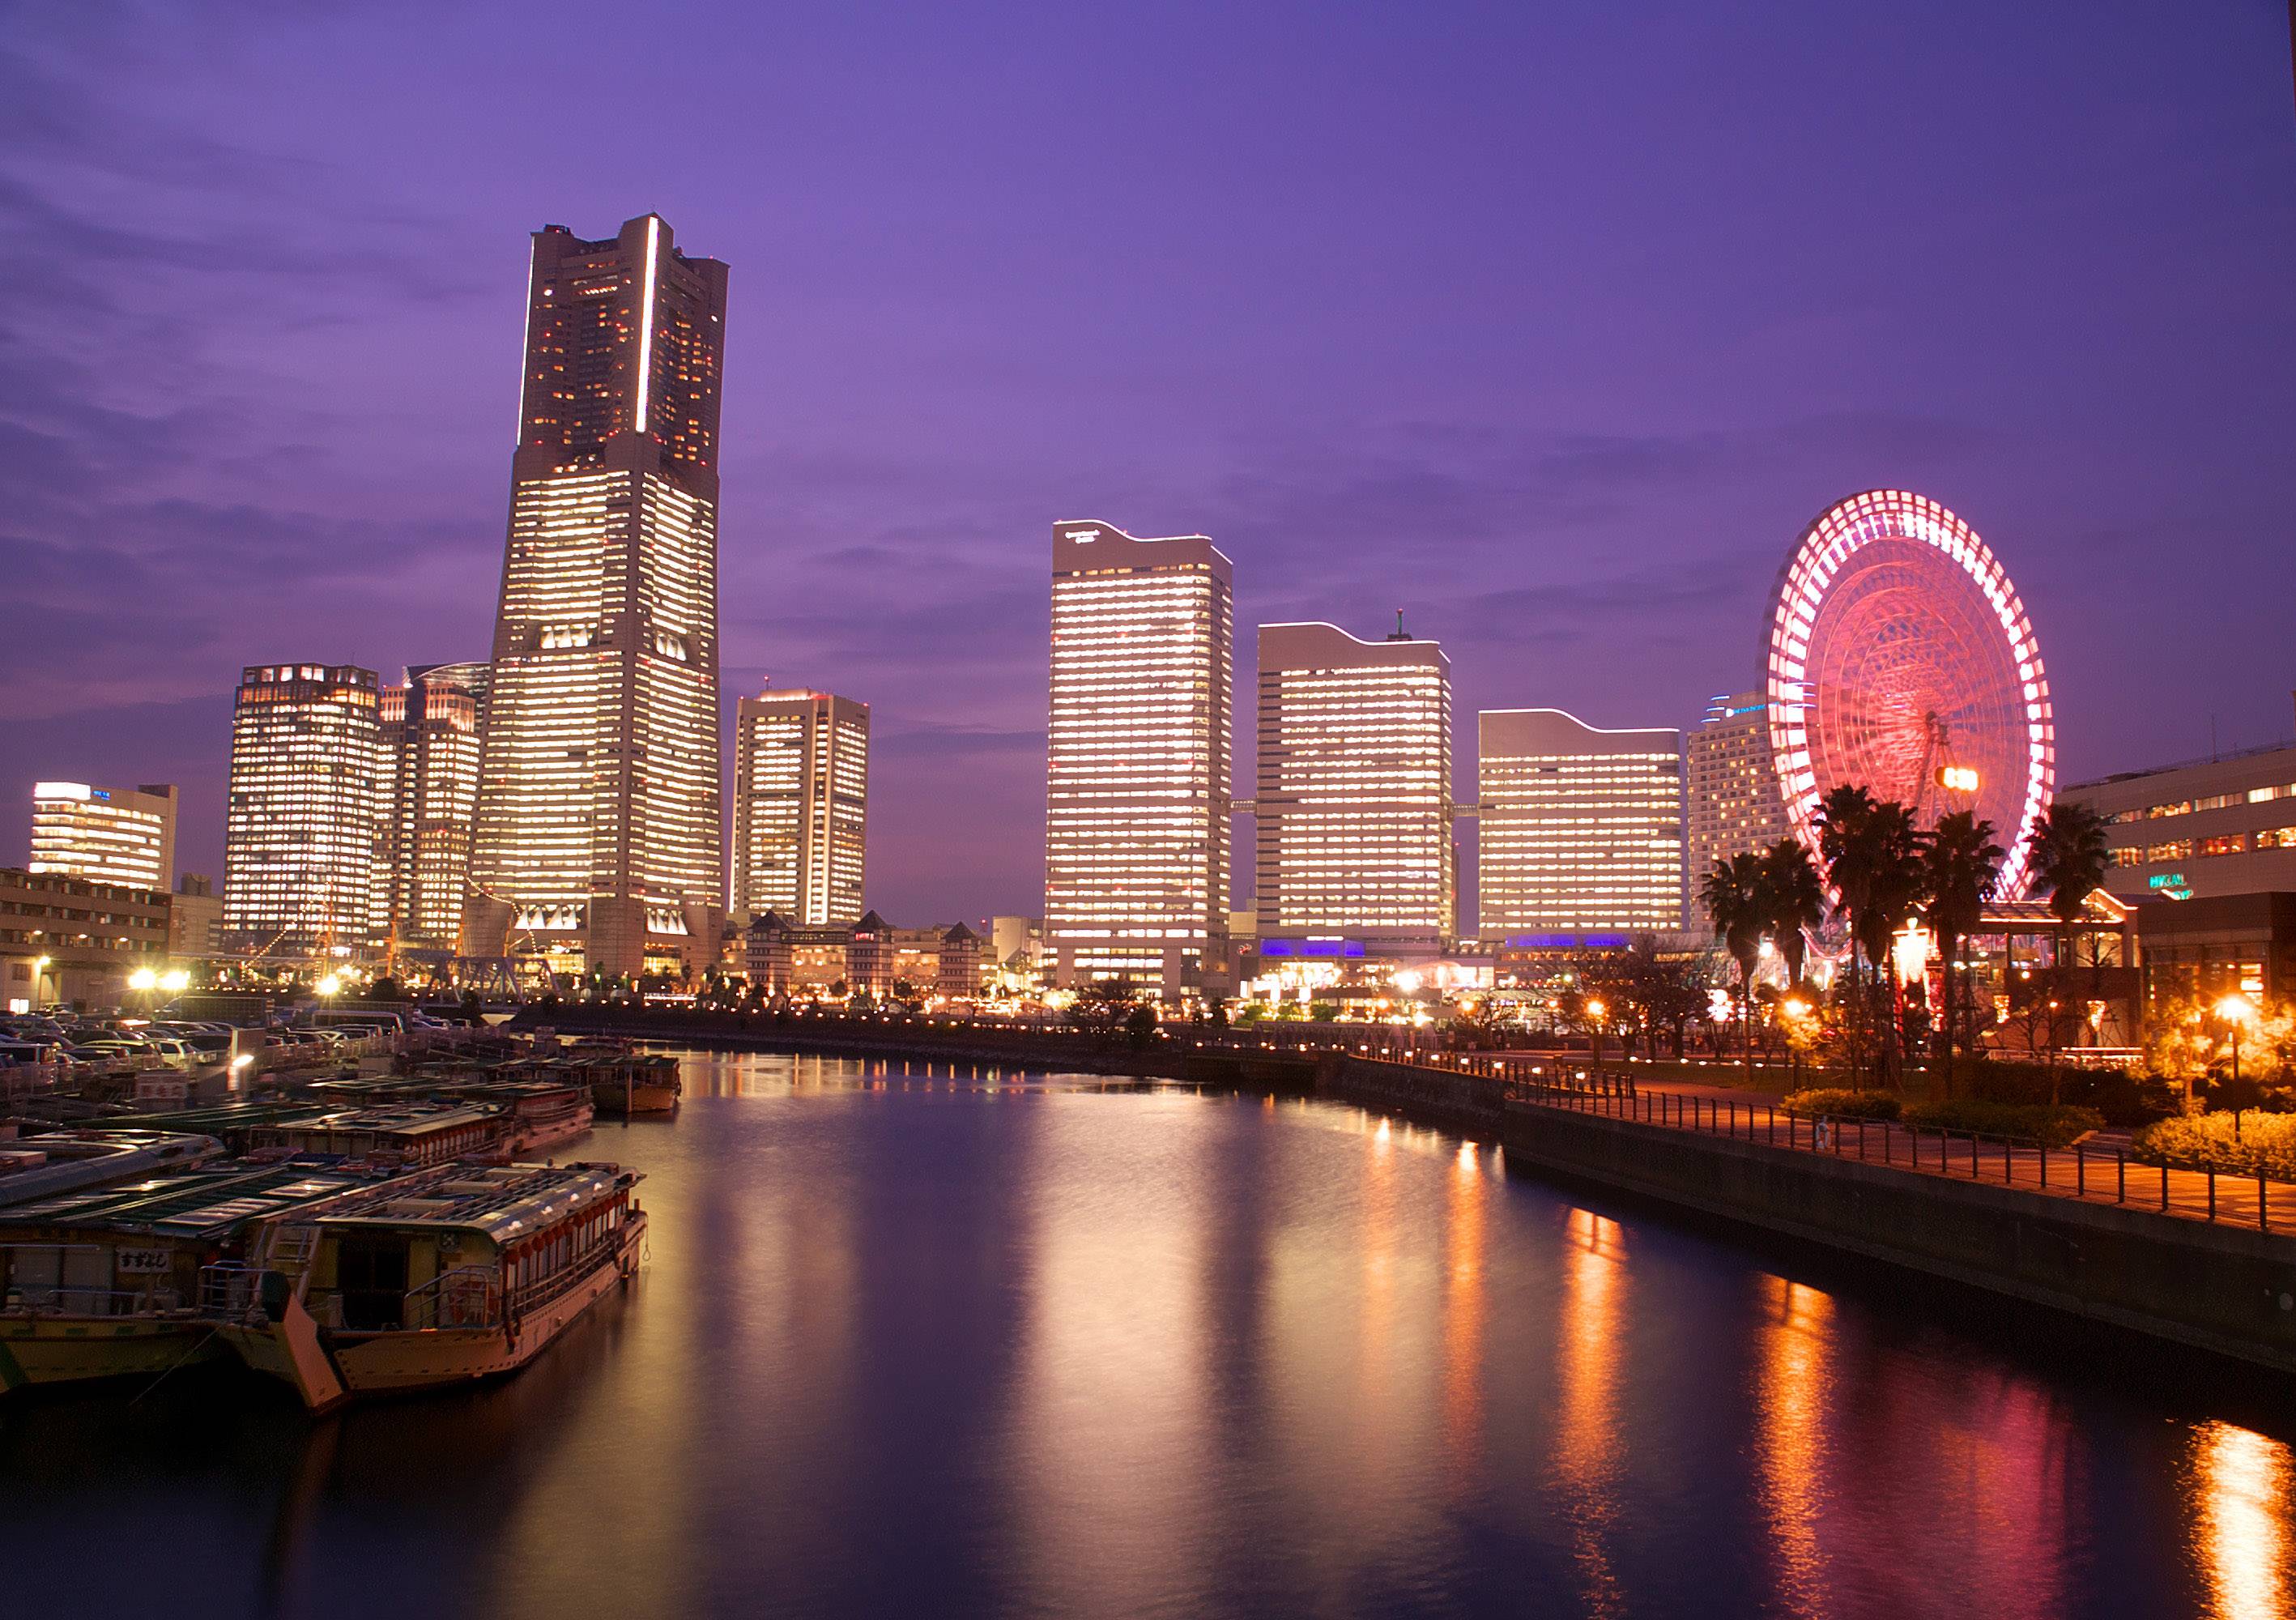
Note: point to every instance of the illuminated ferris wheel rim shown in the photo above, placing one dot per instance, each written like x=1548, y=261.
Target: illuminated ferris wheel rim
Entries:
x=1818, y=560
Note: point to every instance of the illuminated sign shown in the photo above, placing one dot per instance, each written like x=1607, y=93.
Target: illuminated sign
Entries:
x=1567, y=942
x=1311, y=947
x=1958, y=779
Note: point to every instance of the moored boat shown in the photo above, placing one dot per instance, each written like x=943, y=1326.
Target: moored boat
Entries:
x=103, y=1282
x=628, y=1083
x=460, y=1272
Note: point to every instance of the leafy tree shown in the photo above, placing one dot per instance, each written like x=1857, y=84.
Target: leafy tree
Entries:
x=1960, y=863
x=1736, y=903
x=1795, y=899
x=2068, y=855
x=1872, y=853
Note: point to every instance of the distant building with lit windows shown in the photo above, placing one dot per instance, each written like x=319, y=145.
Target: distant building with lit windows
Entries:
x=1581, y=828
x=2219, y=827
x=1730, y=785
x=1136, y=798
x=303, y=825
x=1353, y=828
x=427, y=792
x=105, y=834
x=800, y=806
x=598, y=841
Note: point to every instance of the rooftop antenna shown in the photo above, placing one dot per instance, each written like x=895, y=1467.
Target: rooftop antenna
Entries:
x=1400, y=633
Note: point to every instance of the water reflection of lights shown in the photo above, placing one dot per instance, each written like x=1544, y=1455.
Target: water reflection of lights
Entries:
x=1790, y=1437
x=2241, y=1482
x=1586, y=1447
x=1465, y=1214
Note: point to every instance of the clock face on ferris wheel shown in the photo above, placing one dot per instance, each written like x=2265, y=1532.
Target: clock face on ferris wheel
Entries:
x=1901, y=659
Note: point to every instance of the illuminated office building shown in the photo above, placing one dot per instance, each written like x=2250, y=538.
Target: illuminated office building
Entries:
x=1354, y=823
x=1137, y=759
x=105, y=834
x=1581, y=828
x=800, y=806
x=427, y=791
x=1730, y=785
x=301, y=831
x=598, y=821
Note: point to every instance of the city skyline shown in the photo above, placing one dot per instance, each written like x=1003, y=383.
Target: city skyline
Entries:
x=1600, y=546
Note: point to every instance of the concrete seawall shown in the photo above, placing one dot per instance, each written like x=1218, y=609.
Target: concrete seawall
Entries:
x=2228, y=1290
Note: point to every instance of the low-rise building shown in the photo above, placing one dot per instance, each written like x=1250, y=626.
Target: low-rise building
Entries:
x=869, y=957
x=2224, y=826
x=67, y=940
x=195, y=917
x=2218, y=945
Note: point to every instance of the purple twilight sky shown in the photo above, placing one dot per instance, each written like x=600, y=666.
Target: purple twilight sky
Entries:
x=1551, y=325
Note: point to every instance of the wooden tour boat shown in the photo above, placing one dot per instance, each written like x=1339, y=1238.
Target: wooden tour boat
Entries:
x=459, y=1273
x=103, y=1282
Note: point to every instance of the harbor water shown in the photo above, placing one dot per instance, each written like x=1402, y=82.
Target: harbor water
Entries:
x=921, y=1342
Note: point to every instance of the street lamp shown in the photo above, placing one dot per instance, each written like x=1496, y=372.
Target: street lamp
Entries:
x=143, y=978
x=2238, y=1011
x=330, y=986
x=1595, y=1011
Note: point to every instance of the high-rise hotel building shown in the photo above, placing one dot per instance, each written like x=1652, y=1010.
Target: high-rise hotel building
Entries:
x=598, y=822
x=1730, y=785
x=800, y=806
x=300, y=834
x=105, y=834
x=1581, y=828
x=427, y=791
x=1138, y=757
x=1354, y=824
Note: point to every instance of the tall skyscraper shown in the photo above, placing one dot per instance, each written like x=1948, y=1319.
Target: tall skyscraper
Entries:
x=598, y=825
x=427, y=792
x=105, y=834
x=1138, y=757
x=1581, y=826
x=800, y=806
x=299, y=838
x=1353, y=824
x=1730, y=785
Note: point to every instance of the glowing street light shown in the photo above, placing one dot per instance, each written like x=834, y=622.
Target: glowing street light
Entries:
x=143, y=978
x=330, y=986
x=2238, y=1011
x=175, y=979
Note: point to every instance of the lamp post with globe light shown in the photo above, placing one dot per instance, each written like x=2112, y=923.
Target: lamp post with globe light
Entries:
x=2238, y=1012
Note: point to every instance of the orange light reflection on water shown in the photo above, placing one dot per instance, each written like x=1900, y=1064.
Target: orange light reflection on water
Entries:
x=1789, y=1442
x=2240, y=1483
x=1586, y=1445
x=1465, y=1213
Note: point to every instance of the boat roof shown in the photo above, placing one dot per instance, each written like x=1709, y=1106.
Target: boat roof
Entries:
x=504, y=1202
x=208, y=1201
x=412, y=1121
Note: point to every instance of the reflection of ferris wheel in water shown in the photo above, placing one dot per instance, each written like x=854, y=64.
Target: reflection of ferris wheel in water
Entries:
x=1900, y=660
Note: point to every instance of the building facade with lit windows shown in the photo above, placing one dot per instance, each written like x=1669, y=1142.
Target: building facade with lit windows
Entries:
x=800, y=806
x=304, y=823
x=1581, y=828
x=105, y=834
x=1353, y=827
x=65, y=940
x=2211, y=827
x=1137, y=792
x=598, y=838
x=1731, y=802
x=427, y=791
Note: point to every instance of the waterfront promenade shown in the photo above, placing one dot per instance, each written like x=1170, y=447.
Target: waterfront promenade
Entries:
x=2206, y=1260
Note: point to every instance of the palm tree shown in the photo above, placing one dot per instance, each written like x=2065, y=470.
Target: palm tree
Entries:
x=1960, y=864
x=1796, y=902
x=1735, y=904
x=2069, y=856
x=1873, y=856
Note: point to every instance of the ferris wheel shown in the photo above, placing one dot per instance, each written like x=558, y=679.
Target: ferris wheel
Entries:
x=1900, y=660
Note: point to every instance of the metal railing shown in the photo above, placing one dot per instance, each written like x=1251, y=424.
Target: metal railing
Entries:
x=2081, y=1170
x=468, y=1297
x=64, y=1299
